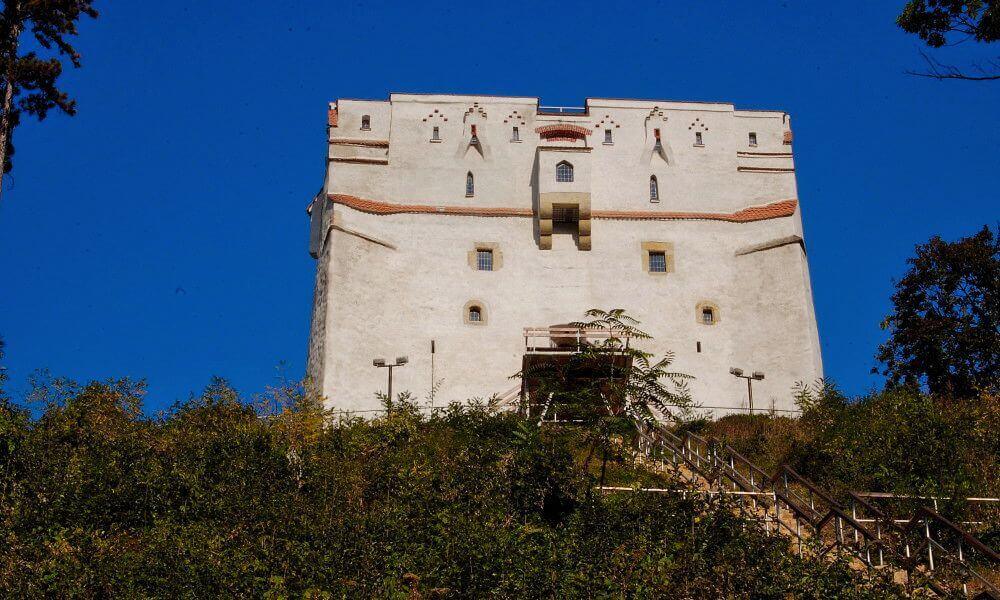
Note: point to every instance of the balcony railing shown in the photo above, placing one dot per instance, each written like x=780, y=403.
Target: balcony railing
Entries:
x=557, y=340
x=562, y=110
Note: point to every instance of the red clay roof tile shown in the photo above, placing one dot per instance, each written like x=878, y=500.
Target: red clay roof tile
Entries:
x=783, y=208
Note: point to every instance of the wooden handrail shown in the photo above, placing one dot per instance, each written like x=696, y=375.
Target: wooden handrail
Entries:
x=806, y=484
x=879, y=514
x=691, y=443
x=925, y=512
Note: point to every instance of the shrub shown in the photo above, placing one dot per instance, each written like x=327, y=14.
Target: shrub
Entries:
x=216, y=499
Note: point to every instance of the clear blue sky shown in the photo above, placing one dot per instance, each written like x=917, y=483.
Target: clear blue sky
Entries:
x=161, y=233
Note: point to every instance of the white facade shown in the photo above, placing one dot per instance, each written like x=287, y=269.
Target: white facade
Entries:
x=395, y=234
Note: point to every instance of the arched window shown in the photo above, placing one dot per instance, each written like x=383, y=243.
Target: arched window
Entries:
x=707, y=313
x=564, y=172
x=654, y=189
x=474, y=313
x=470, y=184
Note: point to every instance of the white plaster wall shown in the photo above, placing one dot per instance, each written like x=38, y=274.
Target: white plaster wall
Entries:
x=385, y=302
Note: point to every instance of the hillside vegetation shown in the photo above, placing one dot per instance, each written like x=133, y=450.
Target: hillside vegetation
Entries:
x=220, y=499
x=899, y=440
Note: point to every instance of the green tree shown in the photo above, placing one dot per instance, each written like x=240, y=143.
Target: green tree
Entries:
x=945, y=324
x=945, y=22
x=608, y=382
x=29, y=80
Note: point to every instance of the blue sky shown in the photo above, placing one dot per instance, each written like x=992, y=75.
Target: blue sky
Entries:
x=161, y=234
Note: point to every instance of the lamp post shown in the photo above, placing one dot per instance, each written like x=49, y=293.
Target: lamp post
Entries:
x=756, y=375
x=380, y=363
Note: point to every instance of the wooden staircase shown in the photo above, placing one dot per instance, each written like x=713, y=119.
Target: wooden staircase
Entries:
x=926, y=551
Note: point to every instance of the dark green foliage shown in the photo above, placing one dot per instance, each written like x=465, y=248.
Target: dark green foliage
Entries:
x=29, y=81
x=942, y=23
x=217, y=499
x=937, y=20
x=608, y=383
x=898, y=440
x=945, y=324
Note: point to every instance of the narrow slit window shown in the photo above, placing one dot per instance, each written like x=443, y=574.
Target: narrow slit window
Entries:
x=475, y=314
x=656, y=134
x=698, y=346
x=753, y=138
x=470, y=184
x=698, y=141
x=657, y=262
x=707, y=316
x=436, y=134
x=607, y=137
x=484, y=259
x=515, y=135
x=475, y=138
x=366, y=122
x=654, y=189
x=564, y=172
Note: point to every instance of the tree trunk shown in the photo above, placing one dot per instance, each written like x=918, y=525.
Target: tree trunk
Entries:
x=11, y=15
x=8, y=101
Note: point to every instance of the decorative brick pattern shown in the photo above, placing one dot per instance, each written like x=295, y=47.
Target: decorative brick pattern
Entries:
x=775, y=210
x=384, y=208
x=331, y=117
x=784, y=208
x=562, y=129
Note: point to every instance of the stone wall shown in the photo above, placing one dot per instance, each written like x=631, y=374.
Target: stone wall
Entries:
x=395, y=274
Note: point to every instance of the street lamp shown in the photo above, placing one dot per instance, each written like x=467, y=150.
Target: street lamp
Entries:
x=380, y=363
x=756, y=375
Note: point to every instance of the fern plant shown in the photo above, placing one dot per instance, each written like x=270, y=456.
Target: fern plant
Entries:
x=607, y=382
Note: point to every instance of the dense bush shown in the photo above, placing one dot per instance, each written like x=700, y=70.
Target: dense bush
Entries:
x=220, y=499
x=898, y=440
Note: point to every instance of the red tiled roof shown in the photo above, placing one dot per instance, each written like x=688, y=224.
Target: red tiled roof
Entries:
x=384, y=208
x=784, y=208
x=562, y=128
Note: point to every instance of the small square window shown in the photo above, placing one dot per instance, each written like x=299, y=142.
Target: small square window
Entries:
x=475, y=314
x=707, y=316
x=753, y=138
x=484, y=260
x=366, y=123
x=657, y=262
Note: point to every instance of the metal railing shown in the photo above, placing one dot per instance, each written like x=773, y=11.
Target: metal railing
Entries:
x=562, y=110
x=566, y=339
x=928, y=547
